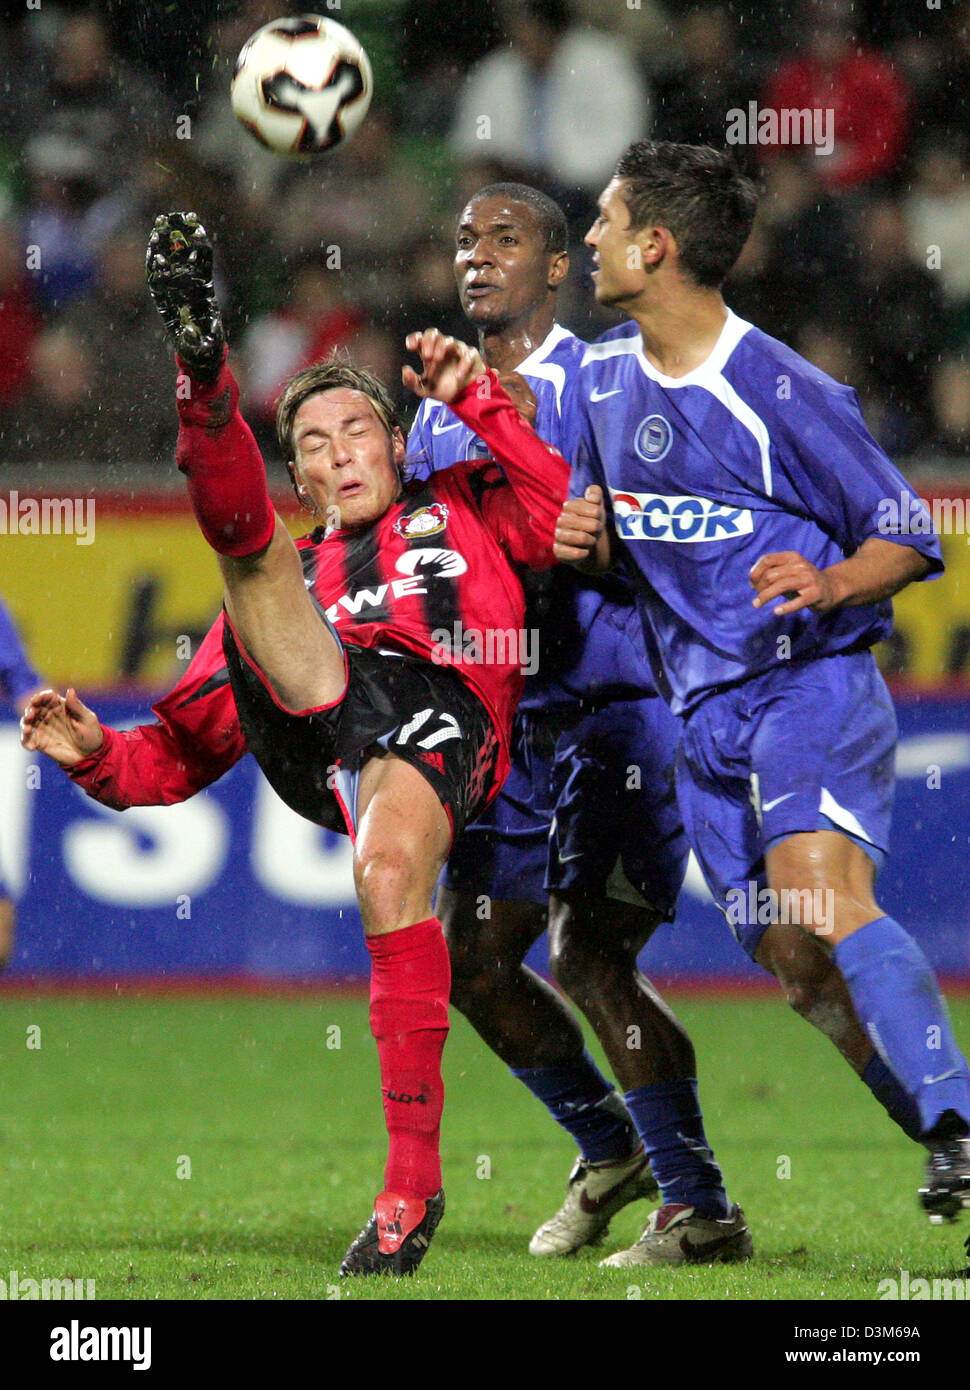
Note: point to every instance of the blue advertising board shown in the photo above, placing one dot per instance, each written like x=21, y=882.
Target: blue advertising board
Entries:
x=233, y=884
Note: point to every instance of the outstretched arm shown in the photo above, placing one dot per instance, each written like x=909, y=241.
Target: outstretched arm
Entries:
x=195, y=739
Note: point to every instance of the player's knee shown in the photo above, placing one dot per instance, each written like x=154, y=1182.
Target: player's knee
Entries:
x=471, y=977
x=561, y=963
x=470, y=993
x=581, y=958
x=802, y=996
x=485, y=957
x=462, y=933
x=385, y=879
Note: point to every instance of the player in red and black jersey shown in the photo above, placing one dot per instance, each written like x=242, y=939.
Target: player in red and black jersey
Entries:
x=364, y=666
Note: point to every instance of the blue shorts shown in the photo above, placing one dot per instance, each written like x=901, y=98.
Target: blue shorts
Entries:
x=589, y=807
x=503, y=854
x=617, y=830
x=809, y=746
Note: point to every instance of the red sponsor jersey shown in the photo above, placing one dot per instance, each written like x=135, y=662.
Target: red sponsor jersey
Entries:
x=434, y=577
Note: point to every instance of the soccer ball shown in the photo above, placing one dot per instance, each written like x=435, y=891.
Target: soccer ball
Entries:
x=301, y=85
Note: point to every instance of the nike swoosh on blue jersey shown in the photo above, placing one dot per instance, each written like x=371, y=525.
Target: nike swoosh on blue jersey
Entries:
x=602, y=395
x=443, y=429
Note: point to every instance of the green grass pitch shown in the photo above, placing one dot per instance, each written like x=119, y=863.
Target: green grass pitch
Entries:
x=228, y=1148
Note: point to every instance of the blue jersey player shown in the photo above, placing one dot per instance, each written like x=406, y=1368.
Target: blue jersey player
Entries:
x=740, y=488
x=18, y=682
x=586, y=836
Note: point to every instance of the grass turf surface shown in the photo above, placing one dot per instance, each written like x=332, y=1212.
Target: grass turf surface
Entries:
x=282, y=1136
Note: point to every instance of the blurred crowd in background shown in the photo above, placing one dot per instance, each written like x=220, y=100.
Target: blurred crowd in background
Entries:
x=860, y=257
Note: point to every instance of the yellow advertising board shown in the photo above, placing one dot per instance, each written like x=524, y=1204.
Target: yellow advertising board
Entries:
x=119, y=591
x=931, y=643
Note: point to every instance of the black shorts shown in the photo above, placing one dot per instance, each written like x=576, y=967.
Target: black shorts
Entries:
x=420, y=712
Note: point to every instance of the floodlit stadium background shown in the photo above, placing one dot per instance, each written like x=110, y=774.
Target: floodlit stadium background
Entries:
x=860, y=259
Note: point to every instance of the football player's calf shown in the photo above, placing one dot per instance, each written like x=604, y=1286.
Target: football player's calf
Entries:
x=529, y=1026
x=397, y=860
x=593, y=947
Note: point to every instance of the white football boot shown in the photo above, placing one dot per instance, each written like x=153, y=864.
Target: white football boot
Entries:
x=677, y=1235
x=595, y=1193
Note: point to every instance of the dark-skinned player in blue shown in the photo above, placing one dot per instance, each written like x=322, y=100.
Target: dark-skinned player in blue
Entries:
x=585, y=838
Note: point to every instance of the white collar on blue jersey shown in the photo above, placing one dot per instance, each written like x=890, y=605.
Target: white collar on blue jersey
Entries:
x=538, y=355
x=709, y=375
x=536, y=365
x=731, y=334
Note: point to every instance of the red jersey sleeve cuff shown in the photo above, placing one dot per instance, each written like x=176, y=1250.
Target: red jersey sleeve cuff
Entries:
x=87, y=765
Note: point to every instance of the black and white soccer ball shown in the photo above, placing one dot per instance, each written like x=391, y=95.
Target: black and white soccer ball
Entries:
x=302, y=85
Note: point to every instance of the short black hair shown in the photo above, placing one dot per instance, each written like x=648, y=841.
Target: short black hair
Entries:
x=549, y=215
x=696, y=191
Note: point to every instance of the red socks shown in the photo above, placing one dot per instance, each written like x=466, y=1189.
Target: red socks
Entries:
x=410, y=985
x=220, y=458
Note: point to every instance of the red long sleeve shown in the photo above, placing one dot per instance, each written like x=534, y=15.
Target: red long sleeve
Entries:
x=195, y=740
x=523, y=515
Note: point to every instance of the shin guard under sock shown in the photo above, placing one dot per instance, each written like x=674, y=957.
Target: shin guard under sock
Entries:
x=898, y=1003
x=579, y=1098
x=669, y=1121
x=900, y=1107
x=410, y=985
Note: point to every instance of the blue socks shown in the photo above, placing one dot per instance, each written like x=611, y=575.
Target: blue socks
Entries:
x=900, y=1006
x=668, y=1118
x=891, y=1096
x=579, y=1098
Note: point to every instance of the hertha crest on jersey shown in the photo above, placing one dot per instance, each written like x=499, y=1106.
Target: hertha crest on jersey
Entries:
x=426, y=521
